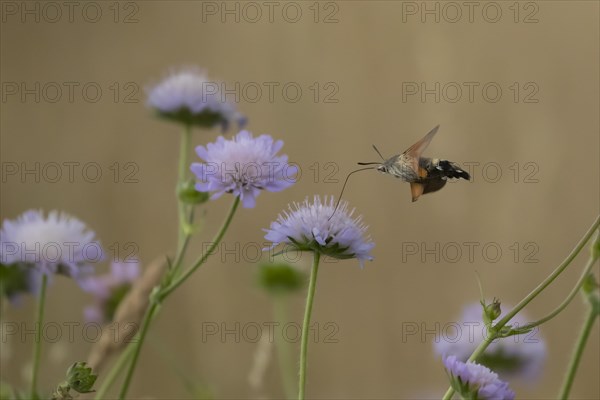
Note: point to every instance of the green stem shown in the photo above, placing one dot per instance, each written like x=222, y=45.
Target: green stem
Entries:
x=569, y=298
x=186, y=137
x=114, y=372
x=150, y=312
x=283, y=353
x=178, y=262
x=552, y=276
x=306, y=324
x=161, y=295
x=118, y=366
x=577, y=353
x=37, y=346
x=213, y=245
x=493, y=334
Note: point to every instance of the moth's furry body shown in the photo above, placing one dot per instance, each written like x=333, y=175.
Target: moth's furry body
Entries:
x=399, y=167
x=425, y=175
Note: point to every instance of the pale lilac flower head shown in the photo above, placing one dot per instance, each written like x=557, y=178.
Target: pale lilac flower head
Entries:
x=243, y=166
x=57, y=243
x=109, y=290
x=519, y=356
x=474, y=381
x=315, y=227
x=188, y=96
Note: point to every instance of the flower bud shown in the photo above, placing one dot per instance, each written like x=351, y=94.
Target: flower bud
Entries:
x=189, y=195
x=80, y=378
x=491, y=311
x=280, y=277
x=591, y=289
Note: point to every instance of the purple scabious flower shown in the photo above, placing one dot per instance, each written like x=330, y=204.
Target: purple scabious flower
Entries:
x=315, y=227
x=474, y=381
x=519, y=356
x=243, y=166
x=108, y=290
x=189, y=97
x=58, y=244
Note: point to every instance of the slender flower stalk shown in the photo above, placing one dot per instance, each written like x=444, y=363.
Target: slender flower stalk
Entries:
x=306, y=324
x=161, y=293
x=37, y=345
x=114, y=372
x=518, y=358
x=215, y=242
x=552, y=276
x=238, y=154
x=569, y=298
x=186, y=137
x=150, y=313
x=316, y=227
x=132, y=346
x=280, y=279
x=577, y=353
x=495, y=331
x=23, y=245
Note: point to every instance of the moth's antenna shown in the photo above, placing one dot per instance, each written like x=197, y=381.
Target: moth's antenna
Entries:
x=344, y=186
x=372, y=163
x=378, y=153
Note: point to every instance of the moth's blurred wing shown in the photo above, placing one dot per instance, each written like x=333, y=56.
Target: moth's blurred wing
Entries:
x=414, y=152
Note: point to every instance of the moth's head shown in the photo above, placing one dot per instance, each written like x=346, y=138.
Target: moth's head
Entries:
x=382, y=168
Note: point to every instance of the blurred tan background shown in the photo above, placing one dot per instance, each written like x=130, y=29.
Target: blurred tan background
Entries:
x=372, y=52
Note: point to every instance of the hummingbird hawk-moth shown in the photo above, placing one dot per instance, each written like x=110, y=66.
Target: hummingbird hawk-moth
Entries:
x=425, y=175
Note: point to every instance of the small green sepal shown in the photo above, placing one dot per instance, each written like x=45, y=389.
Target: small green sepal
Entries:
x=188, y=194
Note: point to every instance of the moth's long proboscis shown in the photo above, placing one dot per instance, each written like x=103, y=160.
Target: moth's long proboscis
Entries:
x=344, y=187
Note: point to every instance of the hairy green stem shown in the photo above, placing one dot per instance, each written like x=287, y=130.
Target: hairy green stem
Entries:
x=213, y=245
x=306, y=324
x=569, y=298
x=552, y=276
x=150, y=313
x=494, y=332
x=577, y=353
x=186, y=137
x=162, y=293
x=114, y=372
x=37, y=345
x=126, y=354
